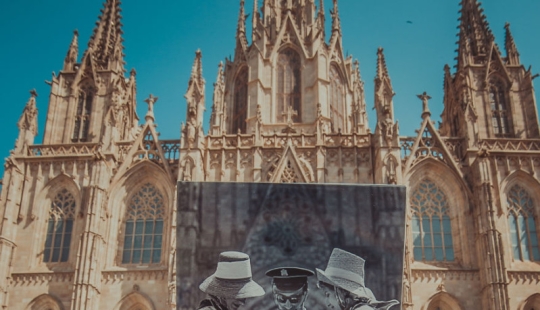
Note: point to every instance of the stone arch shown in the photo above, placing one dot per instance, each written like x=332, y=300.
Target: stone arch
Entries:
x=455, y=190
x=442, y=301
x=531, y=303
x=135, y=301
x=240, y=100
x=45, y=302
x=337, y=98
x=43, y=202
x=528, y=185
x=142, y=173
x=288, y=81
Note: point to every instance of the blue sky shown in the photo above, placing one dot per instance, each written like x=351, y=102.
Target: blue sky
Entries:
x=162, y=36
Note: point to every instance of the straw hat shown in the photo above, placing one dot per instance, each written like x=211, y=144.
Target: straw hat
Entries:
x=232, y=278
x=346, y=270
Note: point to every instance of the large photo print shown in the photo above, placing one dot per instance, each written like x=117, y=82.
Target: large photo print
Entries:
x=289, y=246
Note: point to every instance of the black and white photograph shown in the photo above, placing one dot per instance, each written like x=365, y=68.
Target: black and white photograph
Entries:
x=289, y=246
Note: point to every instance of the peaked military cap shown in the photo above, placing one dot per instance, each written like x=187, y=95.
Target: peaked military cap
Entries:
x=289, y=278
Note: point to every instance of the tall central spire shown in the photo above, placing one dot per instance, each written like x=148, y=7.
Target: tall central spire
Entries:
x=106, y=41
x=475, y=37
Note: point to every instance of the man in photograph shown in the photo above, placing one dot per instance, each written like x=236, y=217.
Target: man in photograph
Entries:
x=290, y=287
x=231, y=284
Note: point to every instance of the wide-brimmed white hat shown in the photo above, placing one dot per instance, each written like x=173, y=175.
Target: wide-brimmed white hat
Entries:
x=232, y=278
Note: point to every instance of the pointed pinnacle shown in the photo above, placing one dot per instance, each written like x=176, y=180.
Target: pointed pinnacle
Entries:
x=108, y=31
x=382, y=70
x=511, y=49
x=196, y=70
x=336, y=25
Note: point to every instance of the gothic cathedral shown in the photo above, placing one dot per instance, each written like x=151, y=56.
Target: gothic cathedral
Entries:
x=89, y=215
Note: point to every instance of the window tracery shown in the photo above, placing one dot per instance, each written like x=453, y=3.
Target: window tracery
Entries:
x=522, y=224
x=431, y=226
x=288, y=83
x=82, y=119
x=289, y=174
x=240, y=101
x=143, y=233
x=337, y=99
x=59, y=228
x=499, y=109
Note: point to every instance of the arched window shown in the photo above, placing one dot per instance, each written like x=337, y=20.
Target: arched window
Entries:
x=522, y=224
x=288, y=85
x=431, y=227
x=143, y=233
x=240, y=102
x=59, y=228
x=499, y=109
x=337, y=99
x=82, y=119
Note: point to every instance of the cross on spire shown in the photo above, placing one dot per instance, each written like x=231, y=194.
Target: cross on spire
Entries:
x=150, y=114
x=425, y=104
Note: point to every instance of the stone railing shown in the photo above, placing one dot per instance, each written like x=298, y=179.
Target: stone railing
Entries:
x=171, y=149
x=406, y=144
x=279, y=140
x=63, y=149
x=519, y=145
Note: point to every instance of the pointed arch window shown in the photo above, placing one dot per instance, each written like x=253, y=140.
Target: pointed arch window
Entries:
x=240, y=101
x=499, y=109
x=522, y=224
x=143, y=233
x=59, y=228
x=337, y=99
x=82, y=119
x=288, y=84
x=431, y=226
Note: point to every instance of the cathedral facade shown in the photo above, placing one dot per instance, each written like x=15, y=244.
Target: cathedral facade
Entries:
x=90, y=216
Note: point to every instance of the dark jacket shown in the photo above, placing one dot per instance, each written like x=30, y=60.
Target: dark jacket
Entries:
x=209, y=304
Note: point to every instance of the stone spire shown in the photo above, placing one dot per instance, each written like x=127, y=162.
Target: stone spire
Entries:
x=254, y=19
x=386, y=129
x=475, y=37
x=241, y=39
x=321, y=17
x=216, y=119
x=512, y=53
x=27, y=124
x=73, y=53
x=384, y=91
x=382, y=70
x=106, y=41
x=336, y=22
x=195, y=92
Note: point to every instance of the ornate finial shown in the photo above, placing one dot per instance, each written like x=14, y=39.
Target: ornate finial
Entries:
x=73, y=52
x=133, y=72
x=150, y=114
x=33, y=93
x=28, y=120
x=336, y=26
x=425, y=104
